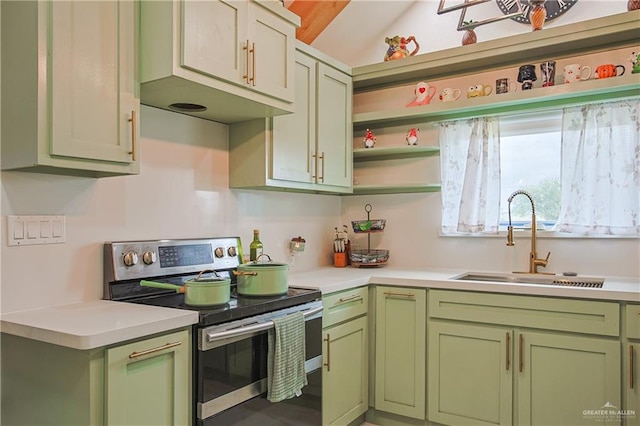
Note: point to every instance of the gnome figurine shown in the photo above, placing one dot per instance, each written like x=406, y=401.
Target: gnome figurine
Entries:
x=369, y=139
x=412, y=136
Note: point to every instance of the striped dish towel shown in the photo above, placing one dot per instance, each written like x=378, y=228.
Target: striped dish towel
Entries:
x=285, y=358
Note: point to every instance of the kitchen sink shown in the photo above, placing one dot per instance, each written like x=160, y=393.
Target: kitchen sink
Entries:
x=543, y=279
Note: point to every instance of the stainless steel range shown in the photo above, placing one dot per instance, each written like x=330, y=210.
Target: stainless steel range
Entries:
x=230, y=340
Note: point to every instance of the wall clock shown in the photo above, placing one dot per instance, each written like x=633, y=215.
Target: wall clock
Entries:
x=554, y=8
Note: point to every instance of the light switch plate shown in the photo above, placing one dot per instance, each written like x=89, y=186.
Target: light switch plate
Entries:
x=32, y=230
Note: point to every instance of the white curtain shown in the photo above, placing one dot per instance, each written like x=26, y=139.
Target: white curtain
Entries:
x=601, y=169
x=470, y=175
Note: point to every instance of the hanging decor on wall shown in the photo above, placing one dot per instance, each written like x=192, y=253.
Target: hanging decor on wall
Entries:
x=463, y=25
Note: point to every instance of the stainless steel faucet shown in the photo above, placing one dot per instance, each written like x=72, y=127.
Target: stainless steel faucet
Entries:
x=534, y=262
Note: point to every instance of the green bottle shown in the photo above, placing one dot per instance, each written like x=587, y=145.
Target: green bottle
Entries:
x=255, y=248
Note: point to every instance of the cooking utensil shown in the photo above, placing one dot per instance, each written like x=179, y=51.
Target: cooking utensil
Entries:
x=199, y=291
x=262, y=278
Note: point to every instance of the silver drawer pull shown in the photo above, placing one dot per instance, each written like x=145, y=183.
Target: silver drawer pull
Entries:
x=158, y=349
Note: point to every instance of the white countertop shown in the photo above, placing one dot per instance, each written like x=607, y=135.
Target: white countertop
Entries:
x=331, y=279
x=94, y=324
x=101, y=323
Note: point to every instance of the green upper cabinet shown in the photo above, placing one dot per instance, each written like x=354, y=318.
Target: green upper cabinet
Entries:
x=70, y=97
x=400, y=333
x=309, y=150
x=234, y=58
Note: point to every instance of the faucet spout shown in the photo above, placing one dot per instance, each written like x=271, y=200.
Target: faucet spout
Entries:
x=534, y=261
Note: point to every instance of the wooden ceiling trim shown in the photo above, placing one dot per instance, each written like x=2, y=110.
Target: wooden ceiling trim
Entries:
x=315, y=16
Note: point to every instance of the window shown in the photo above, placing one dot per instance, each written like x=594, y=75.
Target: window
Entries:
x=580, y=164
x=530, y=160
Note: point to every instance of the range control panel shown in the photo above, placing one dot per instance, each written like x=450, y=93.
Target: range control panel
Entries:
x=129, y=260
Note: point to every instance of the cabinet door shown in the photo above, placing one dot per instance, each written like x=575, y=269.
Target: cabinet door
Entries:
x=470, y=374
x=148, y=382
x=272, y=52
x=293, y=140
x=334, y=128
x=93, y=82
x=562, y=376
x=345, y=373
x=400, y=351
x=213, y=37
x=631, y=381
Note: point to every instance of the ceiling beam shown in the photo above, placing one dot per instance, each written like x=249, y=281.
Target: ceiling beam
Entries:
x=315, y=16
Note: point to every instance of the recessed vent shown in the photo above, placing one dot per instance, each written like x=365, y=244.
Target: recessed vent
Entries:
x=185, y=107
x=578, y=283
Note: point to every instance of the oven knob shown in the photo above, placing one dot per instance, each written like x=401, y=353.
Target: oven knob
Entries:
x=219, y=251
x=149, y=257
x=130, y=258
x=232, y=251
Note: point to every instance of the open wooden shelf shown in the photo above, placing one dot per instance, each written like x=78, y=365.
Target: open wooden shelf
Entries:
x=394, y=153
x=591, y=36
x=393, y=189
x=563, y=95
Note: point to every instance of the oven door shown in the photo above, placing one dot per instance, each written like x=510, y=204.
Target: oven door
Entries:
x=231, y=373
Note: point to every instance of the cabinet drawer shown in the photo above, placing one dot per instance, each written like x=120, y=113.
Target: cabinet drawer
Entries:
x=632, y=321
x=344, y=305
x=578, y=316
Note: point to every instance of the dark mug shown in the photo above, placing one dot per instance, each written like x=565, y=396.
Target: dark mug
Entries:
x=527, y=73
x=527, y=85
x=548, y=70
x=608, y=70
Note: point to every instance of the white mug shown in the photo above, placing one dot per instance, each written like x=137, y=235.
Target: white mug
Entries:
x=575, y=72
x=449, y=94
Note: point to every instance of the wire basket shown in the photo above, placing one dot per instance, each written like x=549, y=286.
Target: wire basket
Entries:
x=373, y=225
x=369, y=257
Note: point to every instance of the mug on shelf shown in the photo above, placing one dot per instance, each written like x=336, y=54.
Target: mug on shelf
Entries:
x=505, y=85
x=548, y=70
x=449, y=94
x=526, y=76
x=576, y=72
x=479, y=90
x=608, y=70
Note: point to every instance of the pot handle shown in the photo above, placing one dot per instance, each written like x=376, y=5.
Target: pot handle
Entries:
x=177, y=288
x=236, y=273
x=263, y=254
x=204, y=272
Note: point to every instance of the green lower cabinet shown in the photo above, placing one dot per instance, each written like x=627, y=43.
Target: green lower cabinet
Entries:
x=470, y=374
x=345, y=373
x=400, y=365
x=631, y=382
x=148, y=382
x=145, y=382
x=562, y=377
x=478, y=373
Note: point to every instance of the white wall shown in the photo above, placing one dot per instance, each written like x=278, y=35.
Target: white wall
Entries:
x=356, y=36
x=181, y=192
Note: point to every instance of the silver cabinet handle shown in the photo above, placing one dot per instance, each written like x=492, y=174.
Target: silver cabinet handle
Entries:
x=508, y=350
x=328, y=363
x=134, y=355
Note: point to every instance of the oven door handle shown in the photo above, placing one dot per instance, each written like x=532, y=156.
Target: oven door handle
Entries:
x=253, y=328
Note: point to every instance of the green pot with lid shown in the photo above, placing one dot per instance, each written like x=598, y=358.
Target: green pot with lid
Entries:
x=262, y=278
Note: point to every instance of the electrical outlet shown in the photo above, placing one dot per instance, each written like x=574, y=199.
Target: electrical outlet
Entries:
x=32, y=230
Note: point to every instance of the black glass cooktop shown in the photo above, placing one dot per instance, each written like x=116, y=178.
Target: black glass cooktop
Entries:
x=238, y=306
